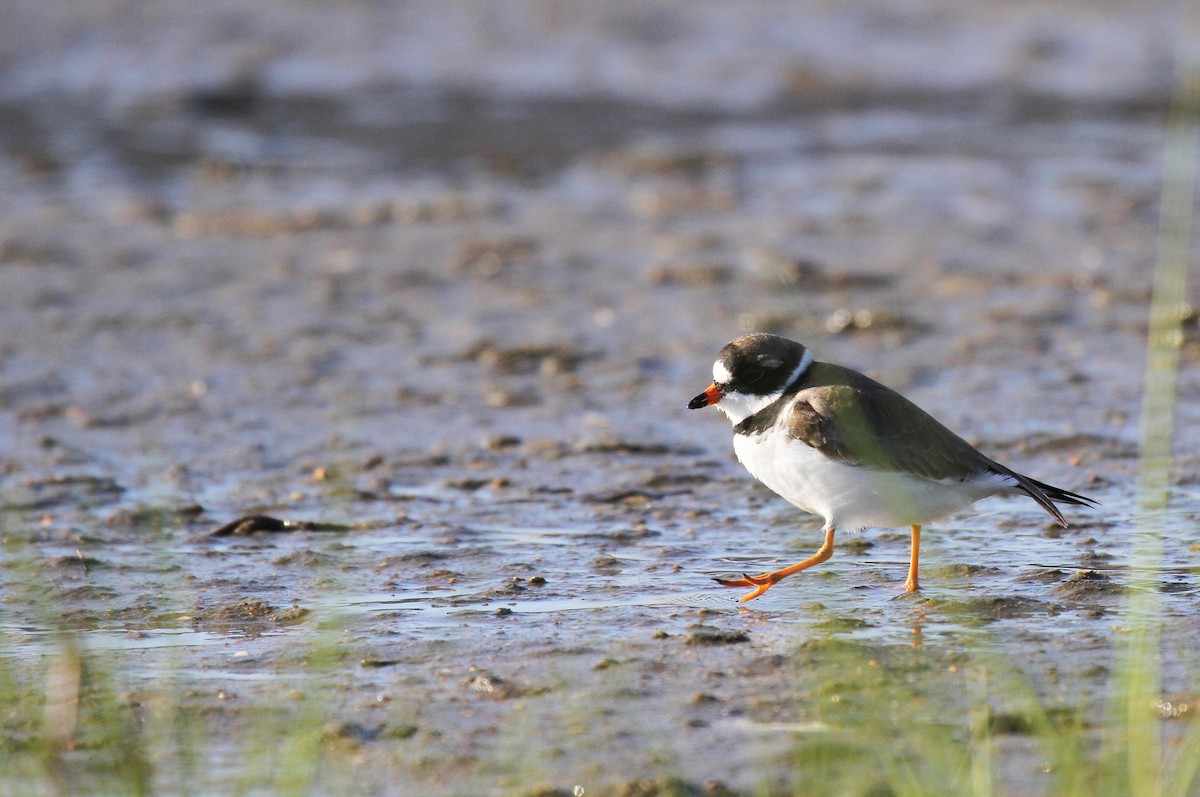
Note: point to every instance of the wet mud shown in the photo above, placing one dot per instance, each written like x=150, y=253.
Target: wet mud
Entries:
x=408, y=364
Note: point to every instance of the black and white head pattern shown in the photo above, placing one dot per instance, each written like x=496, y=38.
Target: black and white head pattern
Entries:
x=754, y=370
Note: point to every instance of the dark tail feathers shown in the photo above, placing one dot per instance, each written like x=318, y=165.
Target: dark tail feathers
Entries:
x=1047, y=494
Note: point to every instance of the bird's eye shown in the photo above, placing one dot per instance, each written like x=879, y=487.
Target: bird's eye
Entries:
x=752, y=375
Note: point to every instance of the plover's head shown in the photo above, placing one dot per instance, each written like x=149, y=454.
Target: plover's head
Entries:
x=751, y=372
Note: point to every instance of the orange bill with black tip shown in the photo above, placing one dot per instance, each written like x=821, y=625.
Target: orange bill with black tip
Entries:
x=709, y=397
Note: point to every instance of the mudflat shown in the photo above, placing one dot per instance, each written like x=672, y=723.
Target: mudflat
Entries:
x=441, y=309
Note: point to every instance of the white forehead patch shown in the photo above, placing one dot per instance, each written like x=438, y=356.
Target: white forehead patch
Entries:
x=721, y=375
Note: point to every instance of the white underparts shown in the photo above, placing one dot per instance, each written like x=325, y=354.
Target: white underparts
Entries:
x=856, y=496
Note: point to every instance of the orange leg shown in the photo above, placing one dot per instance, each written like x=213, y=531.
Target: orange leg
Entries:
x=763, y=582
x=912, y=585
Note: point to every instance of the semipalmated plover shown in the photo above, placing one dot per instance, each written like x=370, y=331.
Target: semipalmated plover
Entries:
x=838, y=444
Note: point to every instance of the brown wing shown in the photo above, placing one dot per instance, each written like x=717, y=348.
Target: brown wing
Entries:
x=853, y=418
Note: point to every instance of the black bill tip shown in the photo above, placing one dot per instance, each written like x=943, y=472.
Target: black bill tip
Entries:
x=707, y=398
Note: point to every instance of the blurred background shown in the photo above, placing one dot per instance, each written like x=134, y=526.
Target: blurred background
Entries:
x=325, y=201
x=449, y=272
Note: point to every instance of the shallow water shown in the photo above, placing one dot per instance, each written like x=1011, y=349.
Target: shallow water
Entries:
x=459, y=305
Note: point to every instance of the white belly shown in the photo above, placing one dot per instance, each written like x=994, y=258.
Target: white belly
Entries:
x=851, y=496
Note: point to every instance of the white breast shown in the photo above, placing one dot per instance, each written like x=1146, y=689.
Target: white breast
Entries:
x=854, y=496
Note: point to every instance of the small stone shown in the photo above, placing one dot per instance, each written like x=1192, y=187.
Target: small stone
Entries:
x=501, y=441
x=709, y=638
